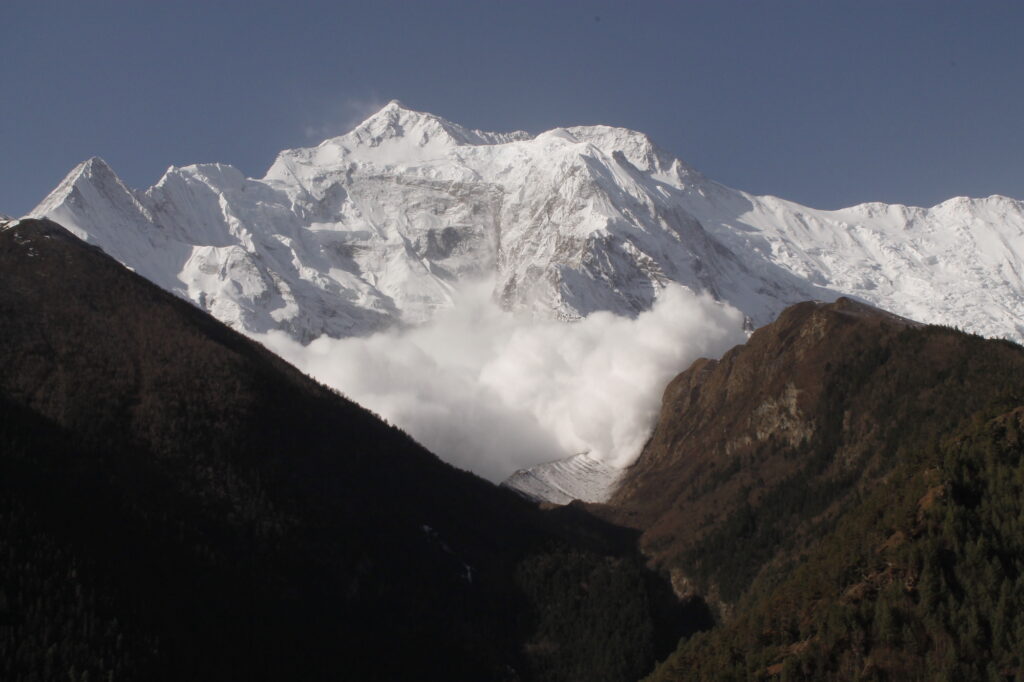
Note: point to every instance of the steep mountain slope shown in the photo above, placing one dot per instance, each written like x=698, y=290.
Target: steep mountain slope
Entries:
x=378, y=225
x=580, y=477
x=178, y=503
x=922, y=580
x=844, y=489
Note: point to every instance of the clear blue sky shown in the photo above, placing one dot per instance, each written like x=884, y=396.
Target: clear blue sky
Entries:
x=828, y=103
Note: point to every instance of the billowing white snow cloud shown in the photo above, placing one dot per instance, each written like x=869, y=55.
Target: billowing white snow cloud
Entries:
x=493, y=392
x=342, y=116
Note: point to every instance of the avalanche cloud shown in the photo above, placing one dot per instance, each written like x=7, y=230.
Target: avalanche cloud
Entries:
x=493, y=391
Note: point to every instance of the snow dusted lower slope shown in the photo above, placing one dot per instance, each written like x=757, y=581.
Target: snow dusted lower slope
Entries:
x=577, y=478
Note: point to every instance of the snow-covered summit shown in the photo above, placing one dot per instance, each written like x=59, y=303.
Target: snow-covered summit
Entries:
x=377, y=227
x=394, y=136
x=396, y=121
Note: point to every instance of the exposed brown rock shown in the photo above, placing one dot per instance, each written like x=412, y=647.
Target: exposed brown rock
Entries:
x=814, y=407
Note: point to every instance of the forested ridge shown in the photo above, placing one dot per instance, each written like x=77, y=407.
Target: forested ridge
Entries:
x=921, y=579
x=847, y=494
x=178, y=503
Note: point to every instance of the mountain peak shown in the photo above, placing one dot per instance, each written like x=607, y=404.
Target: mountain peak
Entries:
x=95, y=164
x=396, y=107
x=635, y=146
x=395, y=120
x=92, y=171
x=395, y=116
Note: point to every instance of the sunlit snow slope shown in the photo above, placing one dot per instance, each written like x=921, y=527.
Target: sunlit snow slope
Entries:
x=378, y=225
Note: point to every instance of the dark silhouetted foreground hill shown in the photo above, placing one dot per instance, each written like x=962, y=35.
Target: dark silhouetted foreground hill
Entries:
x=177, y=503
x=846, y=488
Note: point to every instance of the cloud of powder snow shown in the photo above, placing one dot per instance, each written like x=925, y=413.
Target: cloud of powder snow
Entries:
x=493, y=392
x=342, y=116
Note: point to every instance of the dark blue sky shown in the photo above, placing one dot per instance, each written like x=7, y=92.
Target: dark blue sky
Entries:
x=826, y=103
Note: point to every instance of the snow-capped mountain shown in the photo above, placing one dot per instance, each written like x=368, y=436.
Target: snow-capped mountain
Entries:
x=377, y=226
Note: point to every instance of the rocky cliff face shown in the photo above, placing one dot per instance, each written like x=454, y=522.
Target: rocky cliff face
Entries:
x=844, y=491
x=756, y=455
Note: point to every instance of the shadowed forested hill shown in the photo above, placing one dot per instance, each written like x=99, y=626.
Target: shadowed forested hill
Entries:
x=178, y=503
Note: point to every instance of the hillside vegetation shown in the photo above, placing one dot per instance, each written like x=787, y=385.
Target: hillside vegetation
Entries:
x=921, y=579
x=178, y=503
x=845, y=490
